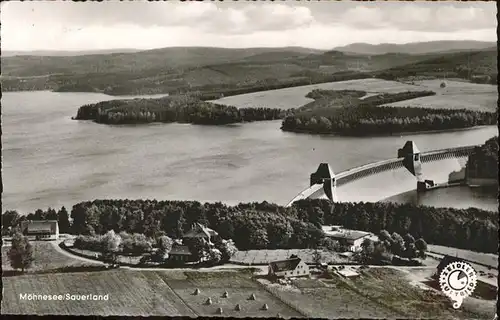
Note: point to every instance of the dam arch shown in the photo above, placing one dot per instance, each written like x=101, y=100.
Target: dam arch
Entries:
x=409, y=168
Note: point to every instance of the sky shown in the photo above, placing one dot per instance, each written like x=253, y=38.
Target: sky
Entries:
x=43, y=25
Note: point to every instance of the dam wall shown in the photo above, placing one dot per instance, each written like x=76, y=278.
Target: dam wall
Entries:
x=380, y=180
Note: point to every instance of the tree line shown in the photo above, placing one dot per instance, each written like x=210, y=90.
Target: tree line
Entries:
x=390, y=245
x=343, y=112
x=112, y=244
x=270, y=226
x=369, y=120
x=483, y=161
x=182, y=108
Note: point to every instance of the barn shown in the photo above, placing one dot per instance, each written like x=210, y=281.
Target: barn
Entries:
x=41, y=229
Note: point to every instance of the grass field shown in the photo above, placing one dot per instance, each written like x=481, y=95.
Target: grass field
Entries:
x=136, y=293
x=239, y=287
x=483, y=258
x=456, y=95
x=296, y=97
x=378, y=293
x=317, y=300
x=45, y=257
x=389, y=287
x=130, y=293
x=266, y=256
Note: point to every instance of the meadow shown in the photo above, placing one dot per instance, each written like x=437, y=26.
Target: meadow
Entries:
x=390, y=287
x=456, y=95
x=46, y=257
x=487, y=259
x=296, y=97
x=130, y=293
x=144, y=293
x=377, y=293
x=317, y=300
x=265, y=256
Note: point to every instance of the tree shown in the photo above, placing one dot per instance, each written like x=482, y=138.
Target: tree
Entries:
x=421, y=246
x=111, y=245
x=214, y=255
x=63, y=220
x=198, y=247
x=385, y=236
x=317, y=256
x=330, y=244
x=51, y=214
x=227, y=249
x=20, y=253
x=164, y=244
x=279, y=234
x=411, y=251
x=10, y=219
x=409, y=239
x=367, y=251
x=257, y=237
x=398, y=244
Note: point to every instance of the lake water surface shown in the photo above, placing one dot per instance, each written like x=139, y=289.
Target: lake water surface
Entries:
x=51, y=160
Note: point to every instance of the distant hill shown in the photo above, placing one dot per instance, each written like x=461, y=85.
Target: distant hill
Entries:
x=416, y=47
x=55, y=53
x=131, y=62
x=477, y=66
x=221, y=70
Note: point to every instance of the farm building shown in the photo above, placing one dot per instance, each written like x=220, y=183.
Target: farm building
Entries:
x=292, y=267
x=41, y=229
x=180, y=253
x=350, y=239
x=200, y=231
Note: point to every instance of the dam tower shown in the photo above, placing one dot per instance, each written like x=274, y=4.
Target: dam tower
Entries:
x=413, y=163
x=324, y=175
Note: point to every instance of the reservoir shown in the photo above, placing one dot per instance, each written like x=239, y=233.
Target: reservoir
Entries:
x=51, y=160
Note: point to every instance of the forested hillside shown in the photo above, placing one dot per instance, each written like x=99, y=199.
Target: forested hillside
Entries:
x=220, y=71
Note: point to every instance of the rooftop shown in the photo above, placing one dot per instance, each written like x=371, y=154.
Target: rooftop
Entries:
x=39, y=225
x=197, y=228
x=180, y=249
x=284, y=265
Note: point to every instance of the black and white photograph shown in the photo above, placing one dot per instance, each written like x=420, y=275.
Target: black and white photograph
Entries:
x=250, y=159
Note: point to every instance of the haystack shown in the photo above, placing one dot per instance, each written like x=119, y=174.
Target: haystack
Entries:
x=238, y=307
x=209, y=301
x=225, y=294
x=252, y=297
x=219, y=310
x=196, y=292
x=265, y=307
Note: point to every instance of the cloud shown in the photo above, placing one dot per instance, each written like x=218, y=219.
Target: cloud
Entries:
x=432, y=17
x=238, y=18
x=101, y=25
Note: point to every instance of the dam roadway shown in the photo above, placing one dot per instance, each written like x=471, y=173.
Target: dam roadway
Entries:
x=380, y=180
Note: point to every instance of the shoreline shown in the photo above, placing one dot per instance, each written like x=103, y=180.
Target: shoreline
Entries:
x=404, y=133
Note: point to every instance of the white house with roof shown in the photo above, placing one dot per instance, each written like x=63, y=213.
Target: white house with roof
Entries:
x=292, y=267
x=351, y=239
x=41, y=229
